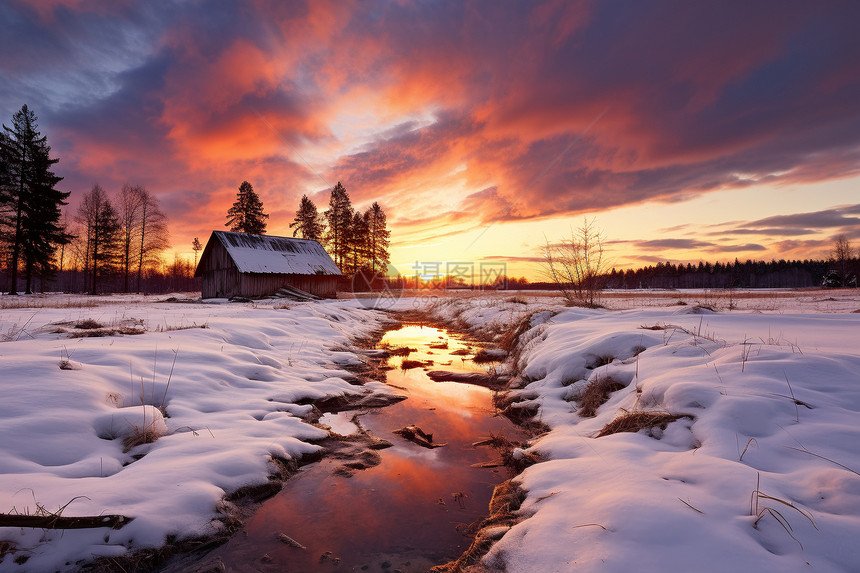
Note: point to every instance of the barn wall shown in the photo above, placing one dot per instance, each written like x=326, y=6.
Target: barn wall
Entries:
x=215, y=257
x=220, y=277
x=222, y=283
x=251, y=284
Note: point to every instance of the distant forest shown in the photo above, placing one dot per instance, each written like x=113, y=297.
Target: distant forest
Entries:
x=749, y=274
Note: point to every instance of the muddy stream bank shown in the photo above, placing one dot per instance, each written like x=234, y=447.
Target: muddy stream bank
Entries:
x=401, y=490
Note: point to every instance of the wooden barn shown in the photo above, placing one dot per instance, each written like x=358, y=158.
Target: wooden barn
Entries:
x=240, y=264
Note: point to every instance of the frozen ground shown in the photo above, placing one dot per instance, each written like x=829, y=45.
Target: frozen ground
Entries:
x=708, y=492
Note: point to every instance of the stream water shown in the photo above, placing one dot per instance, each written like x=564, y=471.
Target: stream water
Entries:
x=405, y=514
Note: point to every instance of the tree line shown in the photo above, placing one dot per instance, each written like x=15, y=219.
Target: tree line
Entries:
x=357, y=241
x=120, y=239
x=749, y=274
x=840, y=269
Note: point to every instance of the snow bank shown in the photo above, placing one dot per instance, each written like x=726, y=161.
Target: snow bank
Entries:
x=216, y=388
x=761, y=475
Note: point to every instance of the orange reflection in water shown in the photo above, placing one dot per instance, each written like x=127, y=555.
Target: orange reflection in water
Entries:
x=403, y=512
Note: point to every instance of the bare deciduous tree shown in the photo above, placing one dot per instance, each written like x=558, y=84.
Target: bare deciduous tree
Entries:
x=99, y=219
x=842, y=254
x=153, y=235
x=577, y=265
x=130, y=208
x=143, y=231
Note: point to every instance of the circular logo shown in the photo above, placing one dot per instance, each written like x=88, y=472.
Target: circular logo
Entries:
x=379, y=290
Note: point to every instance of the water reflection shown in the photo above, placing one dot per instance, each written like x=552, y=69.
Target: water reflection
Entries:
x=405, y=513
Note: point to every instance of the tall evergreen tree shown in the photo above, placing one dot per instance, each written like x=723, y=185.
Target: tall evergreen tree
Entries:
x=358, y=235
x=339, y=218
x=246, y=215
x=307, y=221
x=30, y=202
x=379, y=238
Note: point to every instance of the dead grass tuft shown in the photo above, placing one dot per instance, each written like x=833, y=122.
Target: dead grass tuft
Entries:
x=507, y=499
x=140, y=436
x=99, y=332
x=512, y=453
x=512, y=335
x=88, y=324
x=596, y=394
x=640, y=420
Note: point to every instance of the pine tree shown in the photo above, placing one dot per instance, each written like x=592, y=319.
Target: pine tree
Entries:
x=307, y=221
x=29, y=202
x=339, y=218
x=379, y=238
x=246, y=215
x=358, y=242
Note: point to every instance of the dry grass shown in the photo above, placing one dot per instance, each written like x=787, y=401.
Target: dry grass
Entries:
x=510, y=338
x=507, y=499
x=510, y=451
x=640, y=420
x=142, y=435
x=99, y=332
x=12, y=302
x=760, y=511
x=596, y=394
x=88, y=324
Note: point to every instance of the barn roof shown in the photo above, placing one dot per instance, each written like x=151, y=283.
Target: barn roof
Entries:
x=281, y=255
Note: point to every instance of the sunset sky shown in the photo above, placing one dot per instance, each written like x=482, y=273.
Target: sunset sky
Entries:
x=690, y=130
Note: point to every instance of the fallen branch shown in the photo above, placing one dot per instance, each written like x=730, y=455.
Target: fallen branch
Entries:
x=60, y=522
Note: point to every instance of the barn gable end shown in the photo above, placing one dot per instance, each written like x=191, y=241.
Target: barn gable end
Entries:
x=241, y=264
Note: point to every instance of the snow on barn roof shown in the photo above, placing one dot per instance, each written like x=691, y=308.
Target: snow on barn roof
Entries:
x=282, y=255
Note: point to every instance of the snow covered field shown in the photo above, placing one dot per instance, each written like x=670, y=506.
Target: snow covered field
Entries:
x=758, y=473
x=228, y=376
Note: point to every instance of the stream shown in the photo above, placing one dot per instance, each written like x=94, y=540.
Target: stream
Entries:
x=408, y=509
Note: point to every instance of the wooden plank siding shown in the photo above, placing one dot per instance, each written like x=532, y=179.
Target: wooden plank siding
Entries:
x=222, y=279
